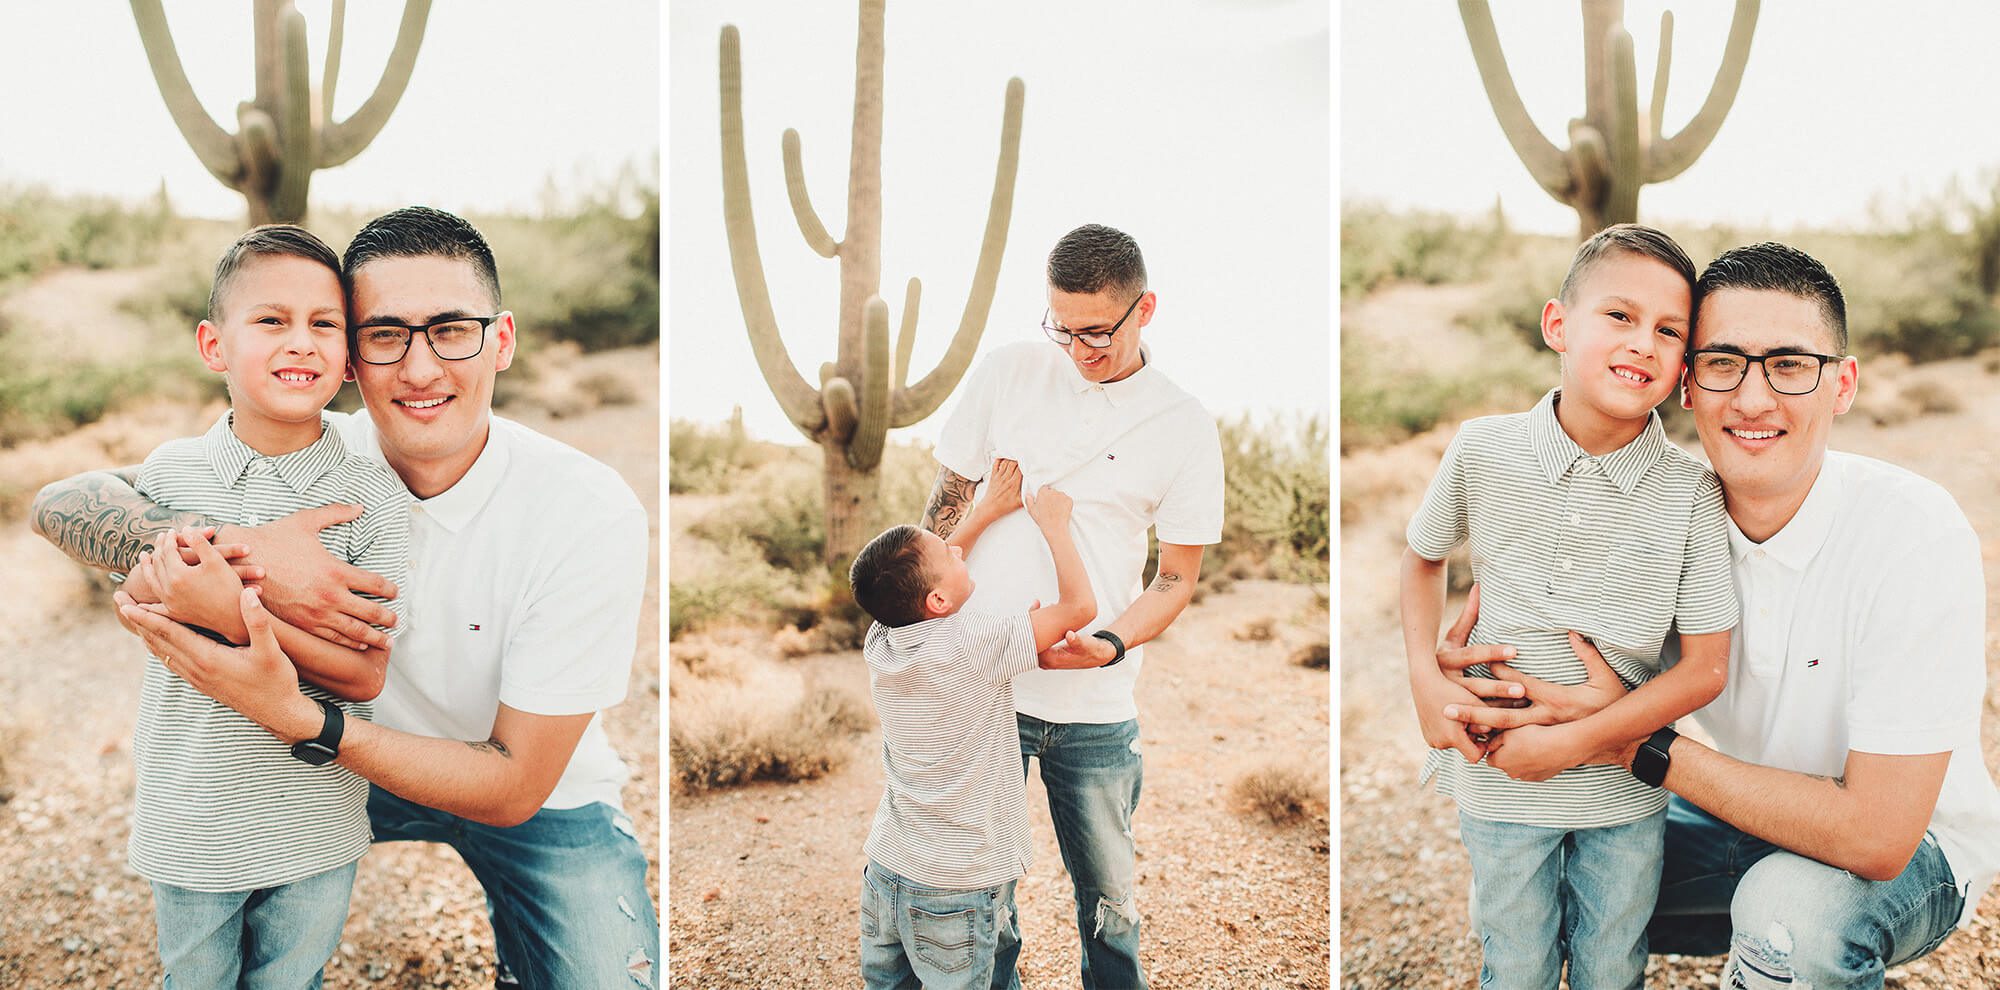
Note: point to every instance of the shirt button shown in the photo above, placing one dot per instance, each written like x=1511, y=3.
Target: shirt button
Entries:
x=1760, y=553
x=1563, y=565
x=1575, y=519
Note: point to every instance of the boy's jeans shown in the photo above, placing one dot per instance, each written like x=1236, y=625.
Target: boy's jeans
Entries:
x=566, y=890
x=274, y=938
x=915, y=937
x=1092, y=773
x=1796, y=921
x=1543, y=895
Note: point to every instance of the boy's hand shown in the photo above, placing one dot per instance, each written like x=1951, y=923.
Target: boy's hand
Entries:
x=309, y=587
x=1432, y=694
x=1549, y=703
x=1048, y=507
x=1003, y=489
x=1534, y=752
x=1075, y=652
x=205, y=594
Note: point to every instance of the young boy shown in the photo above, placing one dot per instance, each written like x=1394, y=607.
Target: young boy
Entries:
x=250, y=845
x=1581, y=516
x=950, y=837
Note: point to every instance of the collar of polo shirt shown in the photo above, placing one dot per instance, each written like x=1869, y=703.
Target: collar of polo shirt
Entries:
x=1556, y=452
x=229, y=456
x=1799, y=541
x=1123, y=389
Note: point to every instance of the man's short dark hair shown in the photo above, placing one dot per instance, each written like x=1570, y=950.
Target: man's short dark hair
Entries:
x=1093, y=258
x=889, y=578
x=269, y=240
x=1779, y=267
x=1628, y=238
x=417, y=232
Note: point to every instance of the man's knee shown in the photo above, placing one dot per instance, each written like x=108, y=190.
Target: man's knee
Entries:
x=1116, y=914
x=1797, y=926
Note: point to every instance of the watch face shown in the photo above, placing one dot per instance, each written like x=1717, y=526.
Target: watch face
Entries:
x=313, y=753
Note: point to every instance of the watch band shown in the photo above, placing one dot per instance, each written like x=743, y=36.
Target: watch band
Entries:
x=1116, y=644
x=1655, y=755
x=321, y=750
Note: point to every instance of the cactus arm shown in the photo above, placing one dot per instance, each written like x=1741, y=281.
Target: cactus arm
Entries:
x=1672, y=156
x=1544, y=160
x=342, y=141
x=914, y=403
x=842, y=410
x=872, y=427
x=906, y=339
x=815, y=233
x=212, y=145
x=800, y=401
x=1628, y=168
x=1662, y=67
x=295, y=133
x=336, y=33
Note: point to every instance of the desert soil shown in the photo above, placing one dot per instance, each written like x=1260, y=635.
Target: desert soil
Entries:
x=74, y=915
x=1403, y=874
x=764, y=879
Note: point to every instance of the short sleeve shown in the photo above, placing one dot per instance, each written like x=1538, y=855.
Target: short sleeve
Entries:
x=1706, y=599
x=571, y=652
x=966, y=446
x=1190, y=513
x=1440, y=523
x=1000, y=646
x=1920, y=665
x=379, y=540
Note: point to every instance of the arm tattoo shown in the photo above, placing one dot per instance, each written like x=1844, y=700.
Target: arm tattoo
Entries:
x=950, y=498
x=98, y=518
x=1166, y=583
x=492, y=746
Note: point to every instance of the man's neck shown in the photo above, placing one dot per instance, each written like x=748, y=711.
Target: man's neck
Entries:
x=428, y=478
x=1760, y=516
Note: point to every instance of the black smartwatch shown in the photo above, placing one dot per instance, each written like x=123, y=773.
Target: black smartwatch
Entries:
x=1650, y=763
x=1116, y=644
x=321, y=751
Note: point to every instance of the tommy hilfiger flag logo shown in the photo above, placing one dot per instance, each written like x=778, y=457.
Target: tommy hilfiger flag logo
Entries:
x=1814, y=662
x=474, y=627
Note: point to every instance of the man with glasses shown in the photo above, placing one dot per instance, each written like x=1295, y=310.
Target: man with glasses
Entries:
x=1843, y=821
x=527, y=570
x=1093, y=416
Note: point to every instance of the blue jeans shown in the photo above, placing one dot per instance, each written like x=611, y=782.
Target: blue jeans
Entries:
x=566, y=890
x=275, y=938
x=915, y=937
x=1786, y=920
x=1092, y=774
x=1545, y=895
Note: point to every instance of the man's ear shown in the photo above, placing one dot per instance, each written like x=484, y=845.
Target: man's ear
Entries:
x=1148, y=305
x=1687, y=383
x=208, y=343
x=1552, y=325
x=503, y=341
x=1847, y=385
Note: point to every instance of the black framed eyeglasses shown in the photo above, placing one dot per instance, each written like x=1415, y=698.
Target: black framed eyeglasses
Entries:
x=455, y=339
x=1098, y=339
x=1788, y=372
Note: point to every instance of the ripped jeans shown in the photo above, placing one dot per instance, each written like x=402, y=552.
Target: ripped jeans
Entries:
x=1788, y=921
x=1092, y=774
x=566, y=890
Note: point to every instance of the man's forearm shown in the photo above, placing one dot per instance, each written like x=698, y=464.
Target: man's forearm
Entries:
x=99, y=519
x=1162, y=602
x=1841, y=821
x=951, y=499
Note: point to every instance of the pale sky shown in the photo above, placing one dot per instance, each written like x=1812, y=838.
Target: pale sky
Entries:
x=1841, y=106
x=1201, y=127
x=505, y=96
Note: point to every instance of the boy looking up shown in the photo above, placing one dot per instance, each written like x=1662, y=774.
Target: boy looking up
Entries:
x=1582, y=519
x=950, y=837
x=250, y=845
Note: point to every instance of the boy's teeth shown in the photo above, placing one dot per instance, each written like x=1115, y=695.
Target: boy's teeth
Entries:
x=1630, y=375
x=293, y=376
x=423, y=403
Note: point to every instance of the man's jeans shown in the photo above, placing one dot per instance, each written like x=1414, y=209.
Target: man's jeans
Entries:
x=1789, y=921
x=1092, y=774
x=566, y=890
x=1543, y=895
x=915, y=937
x=276, y=938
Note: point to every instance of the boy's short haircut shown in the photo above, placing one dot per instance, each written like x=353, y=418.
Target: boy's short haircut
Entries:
x=889, y=578
x=1780, y=268
x=1631, y=238
x=422, y=231
x=271, y=239
x=1093, y=258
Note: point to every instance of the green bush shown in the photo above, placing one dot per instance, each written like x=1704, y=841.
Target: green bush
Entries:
x=742, y=588
x=1378, y=246
x=40, y=230
x=707, y=459
x=1276, y=496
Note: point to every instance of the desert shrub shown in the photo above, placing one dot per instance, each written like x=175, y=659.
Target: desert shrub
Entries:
x=742, y=587
x=1276, y=496
x=1313, y=656
x=1281, y=793
x=589, y=269
x=705, y=459
x=41, y=230
x=731, y=736
x=779, y=513
x=1378, y=246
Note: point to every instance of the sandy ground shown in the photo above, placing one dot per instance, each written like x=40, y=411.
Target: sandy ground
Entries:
x=764, y=879
x=74, y=915
x=1403, y=874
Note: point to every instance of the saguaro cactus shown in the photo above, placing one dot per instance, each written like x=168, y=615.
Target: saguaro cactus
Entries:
x=283, y=134
x=1612, y=151
x=863, y=393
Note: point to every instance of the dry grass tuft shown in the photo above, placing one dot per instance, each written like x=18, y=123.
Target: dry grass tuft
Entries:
x=1283, y=794
x=734, y=735
x=1313, y=656
x=1261, y=629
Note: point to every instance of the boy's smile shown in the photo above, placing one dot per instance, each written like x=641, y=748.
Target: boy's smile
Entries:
x=280, y=339
x=1622, y=338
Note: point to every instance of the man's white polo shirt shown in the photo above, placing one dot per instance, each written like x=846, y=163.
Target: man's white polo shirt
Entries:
x=1132, y=454
x=1864, y=628
x=525, y=585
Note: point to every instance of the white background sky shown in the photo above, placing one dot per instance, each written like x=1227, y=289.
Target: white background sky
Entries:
x=1841, y=105
x=1201, y=127
x=506, y=95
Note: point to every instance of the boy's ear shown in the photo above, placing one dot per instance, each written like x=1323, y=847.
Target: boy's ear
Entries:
x=1552, y=324
x=936, y=604
x=208, y=342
